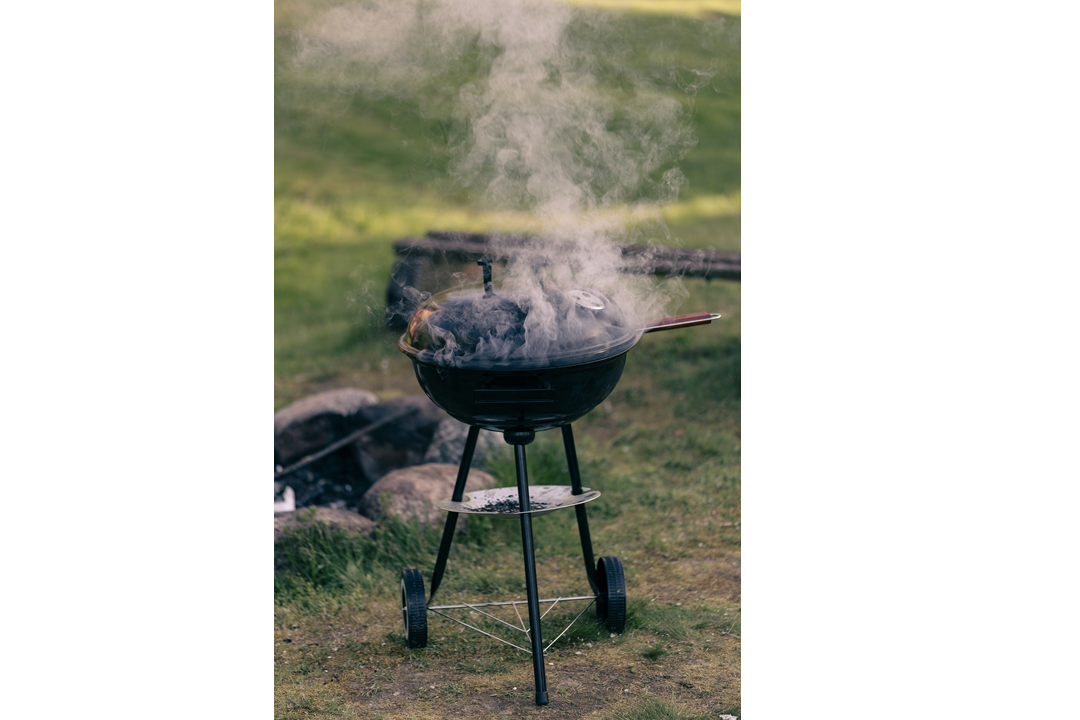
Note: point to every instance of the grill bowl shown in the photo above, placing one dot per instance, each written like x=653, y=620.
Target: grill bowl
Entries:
x=503, y=399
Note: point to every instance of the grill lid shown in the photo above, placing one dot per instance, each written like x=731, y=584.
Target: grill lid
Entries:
x=476, y=327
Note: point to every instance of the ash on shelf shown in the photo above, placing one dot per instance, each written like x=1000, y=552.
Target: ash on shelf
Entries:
x=508, y=506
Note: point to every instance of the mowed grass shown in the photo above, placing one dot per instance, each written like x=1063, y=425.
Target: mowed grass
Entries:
x=351, y=177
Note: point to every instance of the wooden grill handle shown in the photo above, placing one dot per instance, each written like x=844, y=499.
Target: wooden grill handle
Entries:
x=678, y=321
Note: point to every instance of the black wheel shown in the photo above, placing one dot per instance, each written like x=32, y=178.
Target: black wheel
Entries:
x=413, y=608
x=611, y=604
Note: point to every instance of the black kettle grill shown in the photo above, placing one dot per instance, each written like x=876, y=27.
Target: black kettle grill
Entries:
x=472, y=356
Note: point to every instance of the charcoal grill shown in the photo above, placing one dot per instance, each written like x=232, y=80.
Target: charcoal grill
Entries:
x=519, y=395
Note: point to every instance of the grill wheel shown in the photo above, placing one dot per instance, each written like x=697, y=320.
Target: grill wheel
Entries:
x=611, y=604
x=413, y=608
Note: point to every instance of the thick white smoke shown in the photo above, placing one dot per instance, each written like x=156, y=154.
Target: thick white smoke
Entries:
x=549, y=121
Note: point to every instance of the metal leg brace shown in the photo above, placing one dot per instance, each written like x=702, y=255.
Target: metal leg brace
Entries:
x=582, y=518
x=530, y=577
x=451, y=517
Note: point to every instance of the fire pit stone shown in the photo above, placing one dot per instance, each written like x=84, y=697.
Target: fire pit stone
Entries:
x=414, y=492
x=449, y=441
x=313, y=422
x=340, y=519
x=401, y=443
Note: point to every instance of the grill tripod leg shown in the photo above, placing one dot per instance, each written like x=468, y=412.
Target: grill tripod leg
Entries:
x=582, y=518
x=530, y=576
x=451, y=517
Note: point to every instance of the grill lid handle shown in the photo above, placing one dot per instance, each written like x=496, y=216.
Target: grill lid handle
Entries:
x=486, y=265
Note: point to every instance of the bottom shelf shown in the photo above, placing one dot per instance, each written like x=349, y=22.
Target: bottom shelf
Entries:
x=504, y=501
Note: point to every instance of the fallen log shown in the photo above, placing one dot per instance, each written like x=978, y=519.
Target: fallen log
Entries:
x=429, y=263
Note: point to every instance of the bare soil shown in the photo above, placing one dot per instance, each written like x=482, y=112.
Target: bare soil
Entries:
x=352, y=662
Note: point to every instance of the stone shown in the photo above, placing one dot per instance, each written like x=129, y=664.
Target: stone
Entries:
x=448, y=443
x=340, y=519
x=414, y=492
x=398, y=444
x=311, y=423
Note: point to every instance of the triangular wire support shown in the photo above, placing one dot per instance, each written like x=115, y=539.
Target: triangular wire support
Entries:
x=553, y=601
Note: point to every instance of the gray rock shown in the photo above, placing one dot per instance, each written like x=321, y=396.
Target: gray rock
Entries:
x=398, y=444
x=448, y=443
x=413, y=492
x=340, y=519
x=412, y=431
x=310, y=424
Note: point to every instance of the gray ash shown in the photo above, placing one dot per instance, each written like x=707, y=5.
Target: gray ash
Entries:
x=510, y=505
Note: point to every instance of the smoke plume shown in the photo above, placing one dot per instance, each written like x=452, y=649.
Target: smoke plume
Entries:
x=548, y=117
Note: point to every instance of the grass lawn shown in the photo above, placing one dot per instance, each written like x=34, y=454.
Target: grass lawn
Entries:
x=352, y=176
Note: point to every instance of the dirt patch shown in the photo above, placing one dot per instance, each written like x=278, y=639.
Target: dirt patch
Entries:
x=704, y=675
x=353, y=663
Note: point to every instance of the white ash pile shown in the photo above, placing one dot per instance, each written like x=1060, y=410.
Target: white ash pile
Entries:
x=334, y=449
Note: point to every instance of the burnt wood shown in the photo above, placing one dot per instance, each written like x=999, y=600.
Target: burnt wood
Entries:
x=654, y=259
x=429, y=264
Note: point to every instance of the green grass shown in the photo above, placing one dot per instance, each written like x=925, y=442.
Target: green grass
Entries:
x=353, y=175
x=659, y=710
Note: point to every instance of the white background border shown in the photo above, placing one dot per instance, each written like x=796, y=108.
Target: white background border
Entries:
x=910, y=362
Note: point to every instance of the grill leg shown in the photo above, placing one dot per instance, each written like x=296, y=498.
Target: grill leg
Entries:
x=582, y=518
x=530, y=577
x=451, y=517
